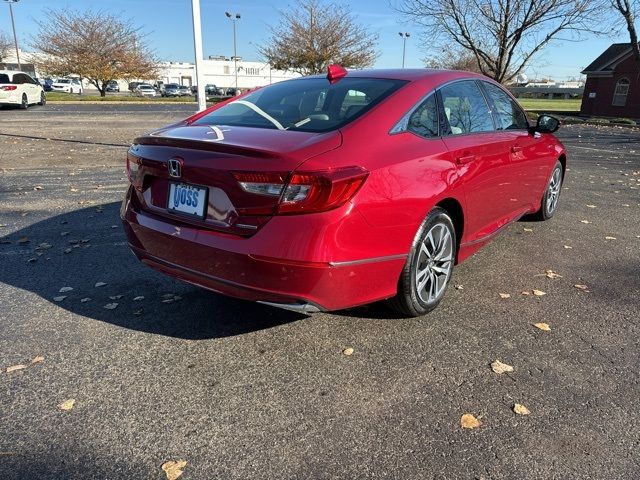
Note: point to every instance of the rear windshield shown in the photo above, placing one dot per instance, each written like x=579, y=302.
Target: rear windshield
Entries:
x=306, y=104
x=4, y=78
x=64, y=81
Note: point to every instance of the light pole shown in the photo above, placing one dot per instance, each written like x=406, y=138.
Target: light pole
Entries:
x=13, y=24
x=404, y=36
x=197, y=44
x=234, y=19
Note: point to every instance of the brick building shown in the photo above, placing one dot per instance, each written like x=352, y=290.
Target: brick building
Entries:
x=612, y=88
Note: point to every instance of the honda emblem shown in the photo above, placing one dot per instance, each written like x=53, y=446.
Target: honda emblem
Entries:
x=175, y=169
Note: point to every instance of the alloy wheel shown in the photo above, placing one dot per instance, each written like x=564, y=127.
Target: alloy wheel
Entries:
x=553, y=192
x=434, y=263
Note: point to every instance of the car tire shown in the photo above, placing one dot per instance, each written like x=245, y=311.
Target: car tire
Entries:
x=24, y=104
x=429, y=266
x=43, y=99
x=551, y=197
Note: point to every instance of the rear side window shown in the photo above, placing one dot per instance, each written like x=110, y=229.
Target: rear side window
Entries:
x=508, y=114
x=466, y=108
x=424, y=120
x=4, y=78
x=306, y=104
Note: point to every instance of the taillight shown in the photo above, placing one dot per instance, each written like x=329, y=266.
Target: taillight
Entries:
x=8, y=88
x=133, y=170
x=309, y=192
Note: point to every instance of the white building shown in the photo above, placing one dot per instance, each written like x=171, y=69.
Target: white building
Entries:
x=220, y=71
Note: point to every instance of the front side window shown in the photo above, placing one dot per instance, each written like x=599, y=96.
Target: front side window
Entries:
x=308, y=104
x=507, y=113
x=465, y=108
x=621, y=92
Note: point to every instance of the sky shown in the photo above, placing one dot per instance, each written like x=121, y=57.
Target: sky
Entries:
x=169, y=28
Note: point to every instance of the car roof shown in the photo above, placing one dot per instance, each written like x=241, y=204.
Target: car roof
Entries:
x=13, y=72
x=410, y=74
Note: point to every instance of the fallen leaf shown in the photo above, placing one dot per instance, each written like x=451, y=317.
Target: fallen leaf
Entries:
x=173, y=470
x=138, y=312
x=539, y=293
x=16, y=368
x=520, y=409
x=38, y=187
x=610, y=238
x=85, y=300
x=585, y=221
x=66, y=289
x=59, y=298
x=568, y=247
x=138, y=298
x=552, y=274
x=110, y=306
x=44, y=246
x=67, y=404
x=542, y=326
x=115, y=297
x=591, y=206
x=23, y=241
x=32, y=260
x=37, y=359
x=100, y=284
x=524, y=292
x=64, y=234
x=458, y=287
x=504, y=295
x=528, y=229
x=348, y=351
x=582, y=287
x=498, y=367
x=67, y=250
x=469, y=421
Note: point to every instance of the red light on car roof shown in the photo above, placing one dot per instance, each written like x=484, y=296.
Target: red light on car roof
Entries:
x=335, y=72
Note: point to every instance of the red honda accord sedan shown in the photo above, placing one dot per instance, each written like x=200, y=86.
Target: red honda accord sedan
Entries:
x=327, y=192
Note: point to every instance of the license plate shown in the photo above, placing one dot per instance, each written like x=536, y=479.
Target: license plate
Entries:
x=187, y=199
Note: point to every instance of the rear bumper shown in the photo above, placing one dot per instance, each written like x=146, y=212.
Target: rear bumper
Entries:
x=241, y=267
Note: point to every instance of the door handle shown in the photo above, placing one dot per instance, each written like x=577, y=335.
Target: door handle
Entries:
x=516, y=149
x=465, y=159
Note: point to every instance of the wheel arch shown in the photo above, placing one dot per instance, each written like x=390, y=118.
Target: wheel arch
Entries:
x=563, y=161
x=455, y=211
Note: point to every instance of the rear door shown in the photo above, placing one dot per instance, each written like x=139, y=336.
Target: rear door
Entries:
x=527, y=151
x=483, y=158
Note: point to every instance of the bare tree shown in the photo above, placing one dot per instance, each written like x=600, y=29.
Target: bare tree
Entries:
x=96, y=46
x=5, y=46
x=314, y=34
x=502, y=35
x=453, y=60
x=627, y=8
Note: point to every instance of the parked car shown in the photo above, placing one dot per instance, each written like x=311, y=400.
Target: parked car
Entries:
x=46, y=84
x=145, y=90
x=112, y=86
x=18, y=88
x=67, y=85
x=159, y=86
x=171, y=90
x=231, y=92
x=185, y=91
x=323, y=193
x=134, y=85
x=211, y=89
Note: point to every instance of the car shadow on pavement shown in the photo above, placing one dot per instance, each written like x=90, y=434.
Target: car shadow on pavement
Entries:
x=87, y=247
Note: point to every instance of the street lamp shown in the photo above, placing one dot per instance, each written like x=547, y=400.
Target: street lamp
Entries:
x=404, y=36
x=15, y=39
x=234, y=19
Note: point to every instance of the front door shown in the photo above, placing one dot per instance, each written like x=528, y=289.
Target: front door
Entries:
x=483, y=158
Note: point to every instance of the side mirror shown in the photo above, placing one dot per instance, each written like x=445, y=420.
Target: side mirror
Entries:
x=547, y=124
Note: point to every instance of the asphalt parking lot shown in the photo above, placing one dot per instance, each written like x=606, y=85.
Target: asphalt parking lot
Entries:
x=244, y=391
